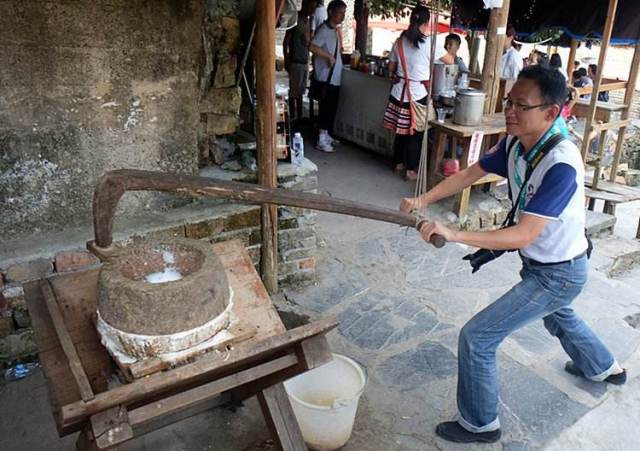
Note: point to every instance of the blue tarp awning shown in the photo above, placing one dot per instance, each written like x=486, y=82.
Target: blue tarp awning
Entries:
x=580, y=19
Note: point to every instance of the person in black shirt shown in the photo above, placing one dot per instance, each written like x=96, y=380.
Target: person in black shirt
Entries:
x=295, y=47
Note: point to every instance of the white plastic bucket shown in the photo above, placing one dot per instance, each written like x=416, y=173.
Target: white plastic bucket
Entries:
x=325, y=401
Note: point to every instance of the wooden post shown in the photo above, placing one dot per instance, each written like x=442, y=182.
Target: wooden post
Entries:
x=628, y=101
x=474, y=49
x=491, y=68
x=361, y=12
x=572, y=58
x=606, y=37
x=266, y=134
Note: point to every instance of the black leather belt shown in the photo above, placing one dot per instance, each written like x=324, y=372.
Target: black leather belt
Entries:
x=537, y=263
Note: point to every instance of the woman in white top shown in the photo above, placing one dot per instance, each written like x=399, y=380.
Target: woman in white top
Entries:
x=406, y=112
x=511, y=60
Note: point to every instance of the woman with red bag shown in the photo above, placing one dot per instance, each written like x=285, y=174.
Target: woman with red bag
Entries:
x=406, y=113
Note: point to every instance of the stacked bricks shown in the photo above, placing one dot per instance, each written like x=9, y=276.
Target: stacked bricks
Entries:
x=296, y=230
x=16, y=335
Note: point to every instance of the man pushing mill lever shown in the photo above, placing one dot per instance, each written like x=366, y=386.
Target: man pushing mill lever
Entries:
x=546, y=226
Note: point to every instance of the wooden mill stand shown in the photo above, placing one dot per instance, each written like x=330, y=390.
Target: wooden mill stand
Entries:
x=78, y=368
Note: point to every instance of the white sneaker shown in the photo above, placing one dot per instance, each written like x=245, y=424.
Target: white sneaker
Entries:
x=325, y=147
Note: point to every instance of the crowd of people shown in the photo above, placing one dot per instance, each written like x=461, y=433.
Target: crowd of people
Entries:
x=318, y=36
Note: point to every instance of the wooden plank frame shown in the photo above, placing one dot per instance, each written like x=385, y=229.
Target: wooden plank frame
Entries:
x=606, y=38
x=251, y=367
x=75, y=365
x=204, y=369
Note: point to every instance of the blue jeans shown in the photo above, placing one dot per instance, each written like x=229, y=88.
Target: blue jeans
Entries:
x=545, y=292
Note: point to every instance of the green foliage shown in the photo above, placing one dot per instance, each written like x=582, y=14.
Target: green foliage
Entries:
x=547, y=34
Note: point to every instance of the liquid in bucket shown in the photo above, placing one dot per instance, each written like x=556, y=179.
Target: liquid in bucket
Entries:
x=325, y=401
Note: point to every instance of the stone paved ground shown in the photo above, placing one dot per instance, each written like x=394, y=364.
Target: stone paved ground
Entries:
x=401, y=304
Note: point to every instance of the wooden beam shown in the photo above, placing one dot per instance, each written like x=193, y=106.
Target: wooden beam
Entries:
x=474, y=48
x=65, y=342
x=491, y=68
x=266, y=136
x=111, y=427
x=572, y=58
x=182, y=405
x=628, y=101
x=361, y=13
x=606, y=37
x=202, y=370
x=281, y=421
x=596, y=173
x=610, y=125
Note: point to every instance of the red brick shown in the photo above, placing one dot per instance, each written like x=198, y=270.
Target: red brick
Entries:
x=307, y=263
x=34, y=269
x=73, y=260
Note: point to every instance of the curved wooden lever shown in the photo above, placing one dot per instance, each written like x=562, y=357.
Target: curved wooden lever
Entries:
x=112, y=185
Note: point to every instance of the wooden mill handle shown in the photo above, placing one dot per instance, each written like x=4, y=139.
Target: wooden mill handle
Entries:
x=112, y=185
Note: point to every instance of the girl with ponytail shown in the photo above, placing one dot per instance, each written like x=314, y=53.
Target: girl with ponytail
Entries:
x=406, y=113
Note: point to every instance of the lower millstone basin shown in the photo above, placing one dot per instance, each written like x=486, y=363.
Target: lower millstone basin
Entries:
x=160, y=296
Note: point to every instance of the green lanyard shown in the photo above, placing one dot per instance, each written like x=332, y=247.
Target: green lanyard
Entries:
x=529, y=157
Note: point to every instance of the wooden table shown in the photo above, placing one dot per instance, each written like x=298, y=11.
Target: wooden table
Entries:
x=62, y=309
x=492, y=124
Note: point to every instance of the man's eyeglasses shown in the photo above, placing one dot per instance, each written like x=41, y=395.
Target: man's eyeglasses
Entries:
x=520, y=107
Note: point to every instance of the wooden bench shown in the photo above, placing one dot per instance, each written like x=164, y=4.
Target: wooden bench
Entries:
x=612, y=194
x=604, y=110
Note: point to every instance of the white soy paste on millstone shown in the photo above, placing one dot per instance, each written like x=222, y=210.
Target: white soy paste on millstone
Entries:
x=168, y=274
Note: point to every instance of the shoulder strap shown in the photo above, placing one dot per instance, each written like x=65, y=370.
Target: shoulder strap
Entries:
x=335, y=56
x=403, y=62
x=407, y=85
x=544, y=150
x=512, y=144
x=550, y=144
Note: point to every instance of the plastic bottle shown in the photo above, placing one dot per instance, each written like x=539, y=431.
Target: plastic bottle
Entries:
x=20, y=371
x=297, y=150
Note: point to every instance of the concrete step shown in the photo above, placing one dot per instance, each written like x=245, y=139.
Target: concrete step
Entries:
x=599, y=224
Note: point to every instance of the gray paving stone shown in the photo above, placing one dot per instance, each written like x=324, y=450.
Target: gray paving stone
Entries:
x=542, y=409
x=428, y=362
x=407, y=309
x=516, y=446
x=336, y=282
x=376, y=336
x=370, y=251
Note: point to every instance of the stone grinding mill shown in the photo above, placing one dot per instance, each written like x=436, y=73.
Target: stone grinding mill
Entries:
x=166, y=310
x=138, y=318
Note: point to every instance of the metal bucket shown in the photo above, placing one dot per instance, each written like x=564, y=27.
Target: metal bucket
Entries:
x=444, y=78
x=469, y=107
